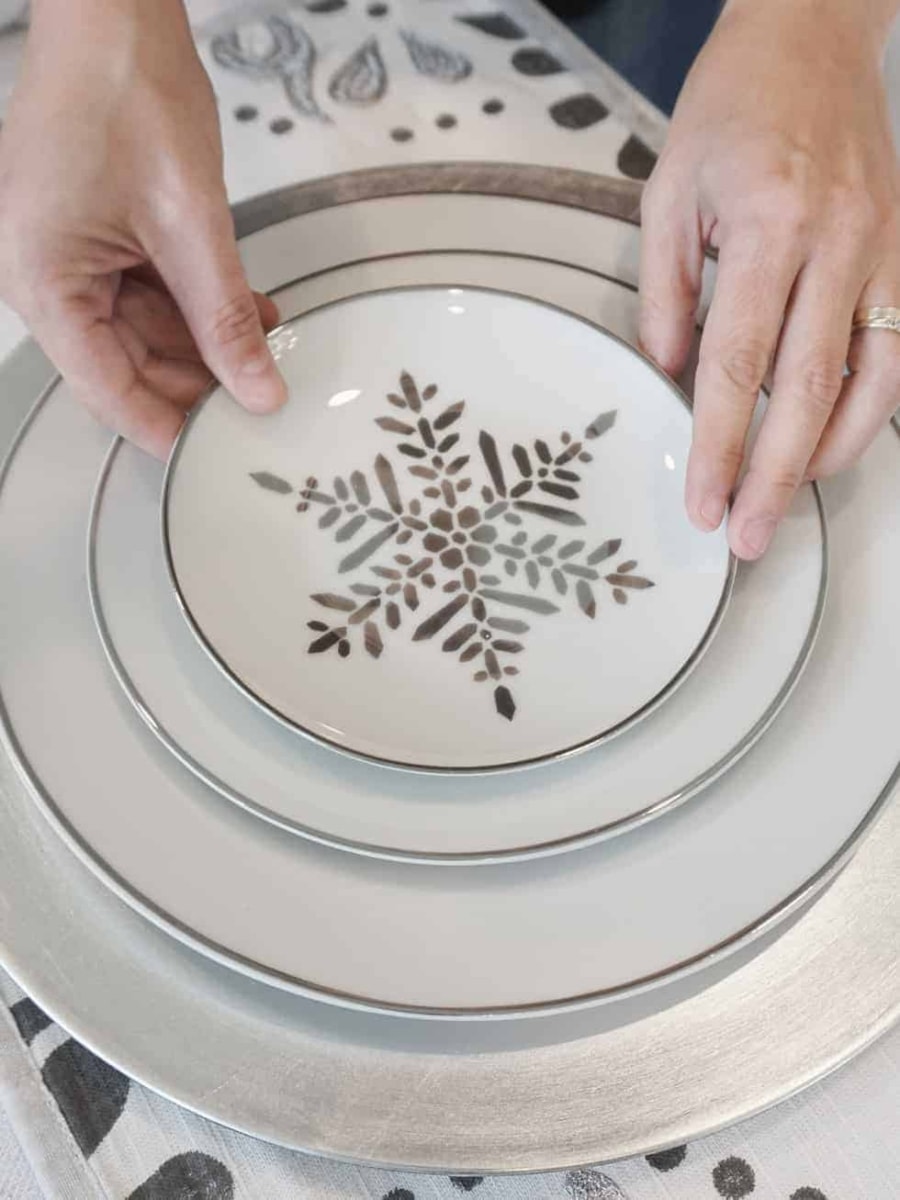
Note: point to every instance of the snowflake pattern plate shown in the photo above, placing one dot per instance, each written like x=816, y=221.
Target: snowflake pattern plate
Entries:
x=469, y=509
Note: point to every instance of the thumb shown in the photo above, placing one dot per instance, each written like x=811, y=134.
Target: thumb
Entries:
x=200, y=266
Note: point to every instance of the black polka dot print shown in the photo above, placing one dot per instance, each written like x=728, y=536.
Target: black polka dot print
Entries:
x=734, y=1179
x=668, y=1160
x=635, y=159
x=534, y=60
x=578, y=112
x=189, y=1176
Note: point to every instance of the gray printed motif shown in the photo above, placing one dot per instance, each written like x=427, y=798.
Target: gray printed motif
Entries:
x=363, y=77
x=276, y=48
x=491, y=560
x=434, y=60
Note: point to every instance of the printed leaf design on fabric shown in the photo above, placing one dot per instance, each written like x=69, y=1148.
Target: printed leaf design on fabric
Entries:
x=363, y=77
x=460, y=550
x=274, y=48
x=434, y=60
x=495, y=24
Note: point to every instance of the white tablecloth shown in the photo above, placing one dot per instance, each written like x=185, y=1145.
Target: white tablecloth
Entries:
x=72, y=1128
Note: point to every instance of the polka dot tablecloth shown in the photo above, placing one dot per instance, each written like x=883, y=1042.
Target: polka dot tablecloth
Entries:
x=307, y=88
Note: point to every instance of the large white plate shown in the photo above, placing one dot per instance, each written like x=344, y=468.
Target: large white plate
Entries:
x=447, y=551
x=564, y=932
x=557, y=1092
x=721, y=710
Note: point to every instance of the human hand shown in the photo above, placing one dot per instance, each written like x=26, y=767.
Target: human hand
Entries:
x=116, y=242
x=780, y=157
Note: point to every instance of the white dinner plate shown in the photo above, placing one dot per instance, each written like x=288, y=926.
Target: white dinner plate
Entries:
x=250, y=759
x=466, y=486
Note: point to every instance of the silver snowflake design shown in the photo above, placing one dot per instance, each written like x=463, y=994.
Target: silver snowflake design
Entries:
x=472, y=547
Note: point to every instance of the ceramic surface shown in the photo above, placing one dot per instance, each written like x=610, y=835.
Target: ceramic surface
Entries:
x=472, y=505
x=258, y=764
x=553, y=934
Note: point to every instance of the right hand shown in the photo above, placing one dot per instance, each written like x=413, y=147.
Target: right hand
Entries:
x=116, y=241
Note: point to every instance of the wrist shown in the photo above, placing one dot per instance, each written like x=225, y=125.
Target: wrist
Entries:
x=107, y=20
x=866, y=23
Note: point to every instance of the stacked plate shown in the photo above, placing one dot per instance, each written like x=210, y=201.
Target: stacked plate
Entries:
x=419, y=707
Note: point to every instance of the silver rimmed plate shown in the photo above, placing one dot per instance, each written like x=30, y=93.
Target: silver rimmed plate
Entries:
x=461, y=545
x=233, y=746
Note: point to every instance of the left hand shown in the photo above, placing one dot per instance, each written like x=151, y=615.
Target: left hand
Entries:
x=781, y=157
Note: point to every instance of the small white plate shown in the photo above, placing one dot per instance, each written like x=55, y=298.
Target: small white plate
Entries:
x=461, y=545
x=259, y=764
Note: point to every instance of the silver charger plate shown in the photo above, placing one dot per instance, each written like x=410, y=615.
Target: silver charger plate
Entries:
x=216, y=1042
x=253, y=761
x=802, y=846
x=522, y=1097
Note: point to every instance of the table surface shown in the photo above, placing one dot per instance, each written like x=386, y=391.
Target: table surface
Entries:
x=72, y=1127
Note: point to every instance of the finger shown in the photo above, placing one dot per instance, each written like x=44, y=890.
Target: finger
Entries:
x=268, y=311
x=180, y=380
x=809, y=371
x=204, y=274
x=85, y=348
x=150, y=309
x=156, y=319
x=870, y=393
x=755, y=276
x=671, y=273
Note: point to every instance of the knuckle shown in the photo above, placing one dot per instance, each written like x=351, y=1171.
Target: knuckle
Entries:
x=783, y=196
x=777, y=481
x=787, y=208
x=860, y=211
x=235, y=321
x=742, y=365
x=819, y=383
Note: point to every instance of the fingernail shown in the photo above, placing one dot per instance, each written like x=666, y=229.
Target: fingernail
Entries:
x=264, y=390
x=757, y=534
x=259, y=365
x=712, y=509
